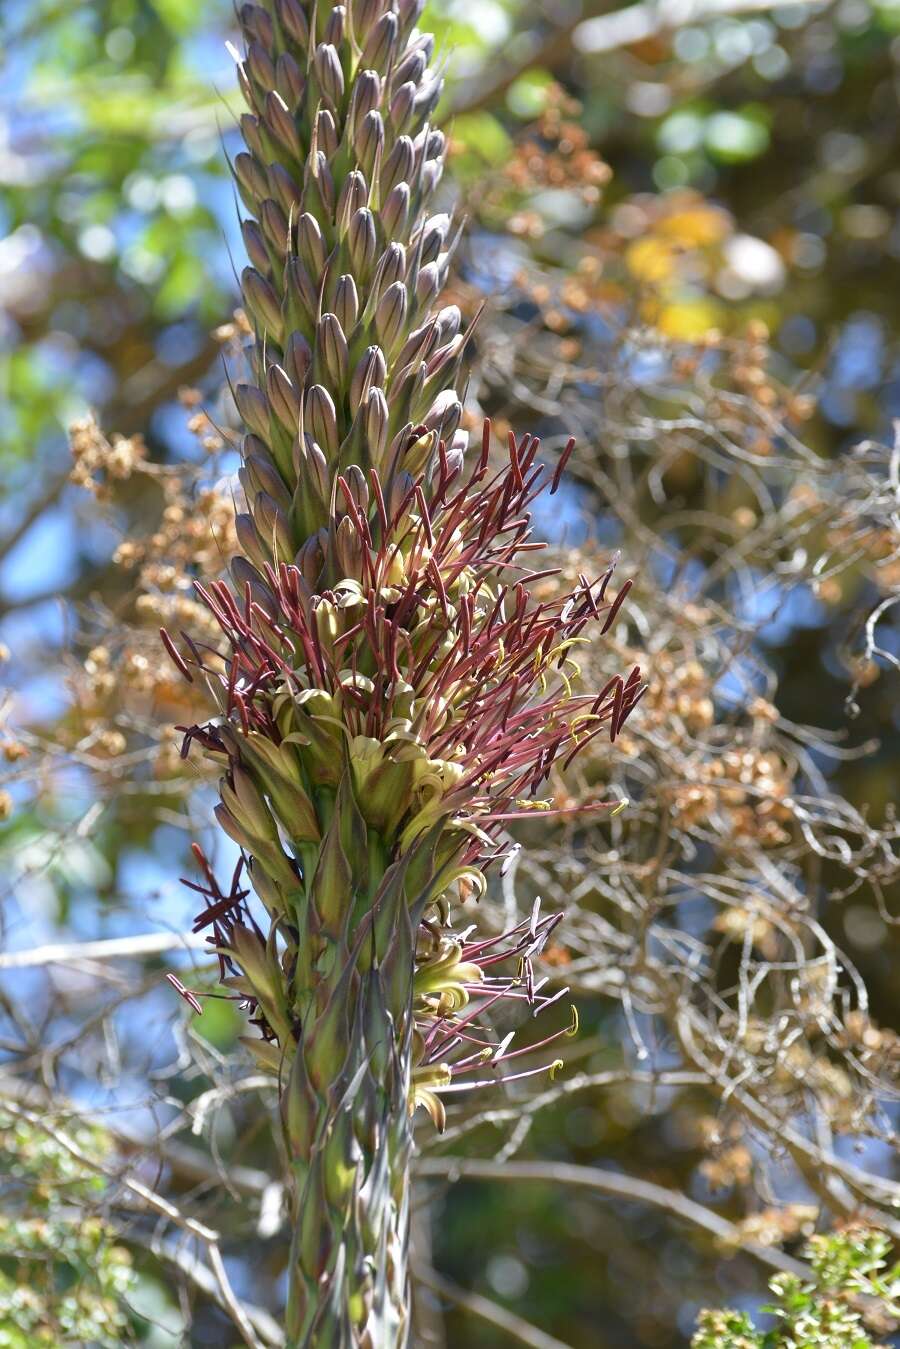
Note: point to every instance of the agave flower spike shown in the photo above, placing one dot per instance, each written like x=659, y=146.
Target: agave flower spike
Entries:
x=387, y=692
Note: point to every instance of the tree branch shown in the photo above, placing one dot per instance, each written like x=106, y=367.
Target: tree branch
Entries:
x=486, y=1310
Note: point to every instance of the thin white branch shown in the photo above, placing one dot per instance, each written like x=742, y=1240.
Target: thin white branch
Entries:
x=113, y=948
x=486, y=1310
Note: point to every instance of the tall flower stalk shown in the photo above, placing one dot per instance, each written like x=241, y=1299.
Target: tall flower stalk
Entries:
x=390, y=692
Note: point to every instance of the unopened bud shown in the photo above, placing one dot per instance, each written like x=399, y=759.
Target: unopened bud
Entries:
x=398, y=166
x=390, y=316
x=444, y=414
x=284, y=398
x=300, y=294
x=281, y=124
x=391, y=268
x=434, y=234
x=251, y=180
x=370, y=371
x=449, y=321
x=366, y=97
x=359, y=488
x=377, y=417
x=274, y=224
x=250, y=130
x=285, y=190
x=253, y=409
x=346, y=302
x=326, y=133
x=260, y=67
x=297, y=358
x=328, y=70
x=293, y=21
x=412, y=67
x=335, y=25
x=428, y=283
x=354, y=195
x=321, y=418
x=248, y=539
x=331, y=346
x=381, y=43
x=366, y=14
x=402, y=106
x=369, y=141
x=261, y=300
x=310, y=244
x=255, y=244
x=258, y=24
x=395, y=211
x=363, y=243
x=272, y=527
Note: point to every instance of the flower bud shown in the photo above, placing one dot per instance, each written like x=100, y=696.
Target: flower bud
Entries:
x=354, y=195
x=284, y=189
x=253, y=409
x=260, y=67
x=434, y=234
x=274, y=225
x=375, y=424
x=297, y=358
x=321, y=418
x=402, y=105
x=310, y=243
x=371, y=370
x=293, y=21
x=359, y=488
x=289, y=81
x=366, y=14
x=300, y=295
x=281, y=124
x=381, y=43
x=428, y=284
x=444, y=414
x=362, y=242
x=395, y=211
x=391, y=268
x=327, y=66
x=346, y=302
x=398, y=166
x=331, y=347
x=326, y=136
x=251, y=180
x=412, y=67
x=284, y=398
x=258, y=24
x=262, y=302
x=366, y=97
x=390, y=316
x=369, y=141
x=335, y=25
x=255, y=245
x=250, y=130
x=248, y=539
x=449, y=321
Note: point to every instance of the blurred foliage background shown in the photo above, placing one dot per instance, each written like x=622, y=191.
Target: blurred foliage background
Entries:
x=737, y=164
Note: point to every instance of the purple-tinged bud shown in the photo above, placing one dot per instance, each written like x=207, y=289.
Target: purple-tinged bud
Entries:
x=311, y=468
x=402, y=105
x=428, y=96
x=366, y=97
x=289, y=81
x=261, y=300
x=311, y=559
x=395, y=211
x=381, y=43
x=284, y=189
x=398, y=166
x=336, y=25
x=331, y=344
x=300, y=293
x=248, y=539
x=274, y=223
x=260, y=67
x=376, y=419
x=293, y=21
x=327, y=66
x=321, y=419
x=391, y=268
x=409, y=12
x=428, y=283
x=281, y=124
x=263, y=476
x=310, y=244
x=326, y=133
x=369, y=141
x=434, y=234
x=366, y=14
x=272, y=527
x=413, y=66
x=401, y=485
x=253, y=409
x=449, y=321
x=252, y=137
x=257, y=23
x=346, y=302
x=251, y=180
x=362, y=242
x=420, y=343
x=297, y=359
x=319, y=185
x=354, y=196
x=390, y=316
x=255, y=245
x=436, y=145
x=359, y=488
x=349, y=548
x=370, y=371
x=456, y=451
x=284, y=398
x=444, y=355
x=444, y=414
